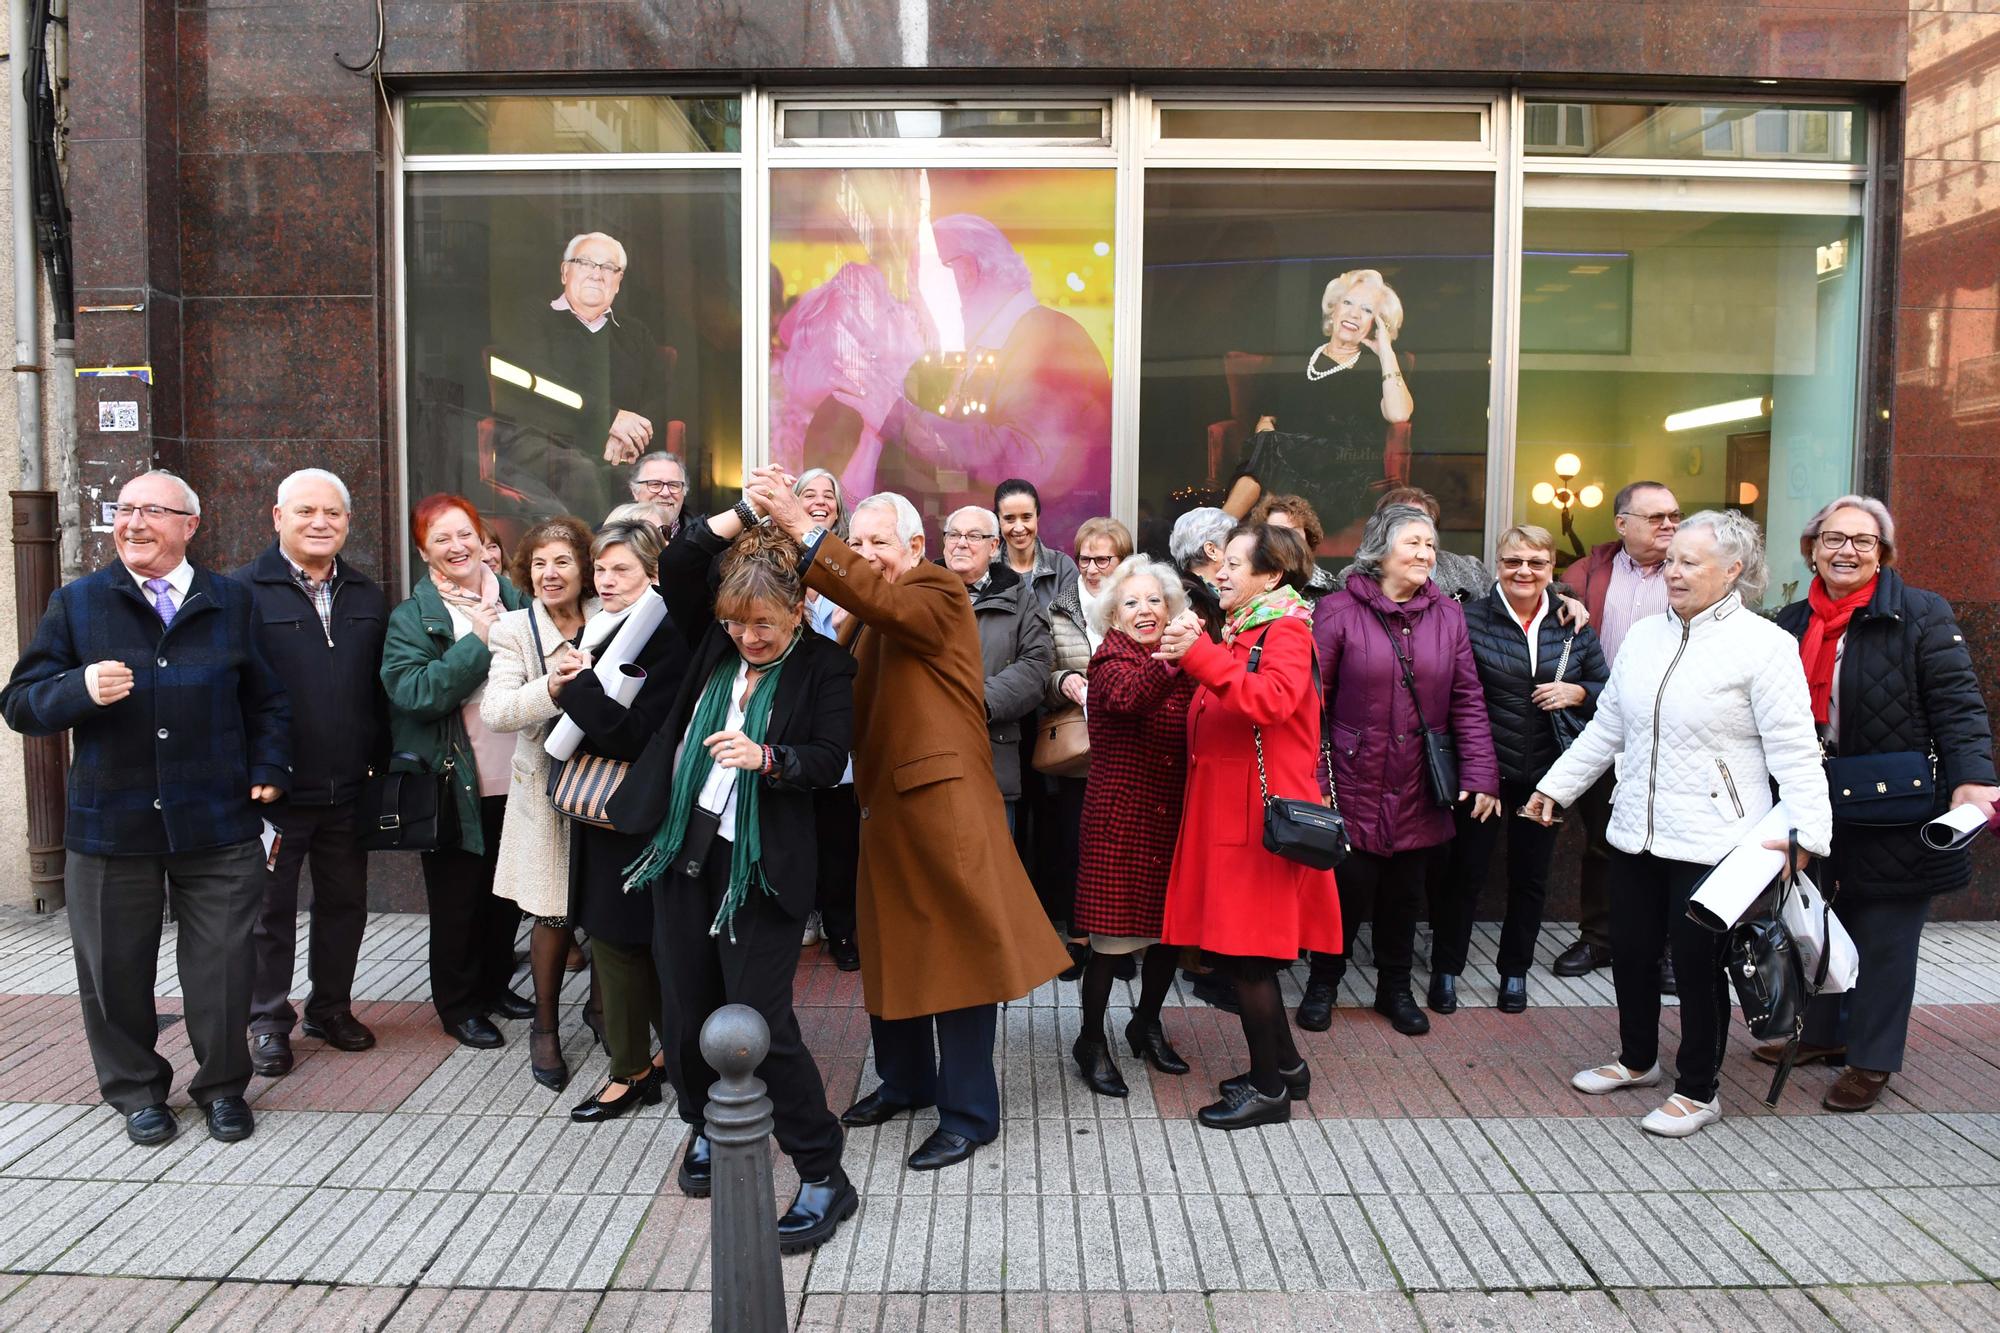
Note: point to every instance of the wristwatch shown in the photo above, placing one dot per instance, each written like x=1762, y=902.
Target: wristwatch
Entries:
x=814, y=536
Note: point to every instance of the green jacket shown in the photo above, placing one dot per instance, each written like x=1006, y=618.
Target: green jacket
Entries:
x=429, y=676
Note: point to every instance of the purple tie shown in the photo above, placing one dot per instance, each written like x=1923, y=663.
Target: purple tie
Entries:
x=161, y=602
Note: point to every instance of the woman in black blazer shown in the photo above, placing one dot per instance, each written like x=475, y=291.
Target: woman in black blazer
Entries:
x=724, y=794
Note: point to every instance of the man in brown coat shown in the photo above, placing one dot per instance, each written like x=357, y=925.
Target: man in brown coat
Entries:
x=948, y=924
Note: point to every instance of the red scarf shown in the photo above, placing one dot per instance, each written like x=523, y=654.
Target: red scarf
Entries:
x=1820, y=649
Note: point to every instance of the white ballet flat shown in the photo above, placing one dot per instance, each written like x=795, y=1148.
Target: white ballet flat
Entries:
x=1612, y=1077
x=1681, y=1116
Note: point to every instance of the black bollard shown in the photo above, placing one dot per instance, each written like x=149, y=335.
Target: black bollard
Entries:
x=746, y=1283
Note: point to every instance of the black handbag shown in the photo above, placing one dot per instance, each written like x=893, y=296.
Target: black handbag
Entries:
x=1440, y=750
x=408, y=811
x=1307, y=832
x=1769, y=974
x=1883, y=789
x=1564, y=721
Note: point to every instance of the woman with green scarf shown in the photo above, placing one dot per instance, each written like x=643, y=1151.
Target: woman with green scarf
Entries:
x=725, y=790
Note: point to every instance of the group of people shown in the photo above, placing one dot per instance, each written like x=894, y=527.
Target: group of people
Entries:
x=681, y=737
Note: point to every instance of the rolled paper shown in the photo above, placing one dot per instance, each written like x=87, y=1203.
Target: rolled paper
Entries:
x=1954, y=830
x=1738, y=879
x=628, y=639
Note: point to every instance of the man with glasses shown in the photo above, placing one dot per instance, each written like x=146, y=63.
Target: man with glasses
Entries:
x=1014, y=642
x=659, y=478
x=1621, y=583
x=182, y=735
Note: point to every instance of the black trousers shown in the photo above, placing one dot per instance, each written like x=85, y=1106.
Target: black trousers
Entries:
x=115, y=909
x=1594, y=878
x=472, y=932
x=837, y=824
x=1873, y=1019
x=1391, y=891
x=1455, y=890
x=1648, y=917
x=1057, y=830
x=339, y=915
x=699, y=973
x=943, y=1060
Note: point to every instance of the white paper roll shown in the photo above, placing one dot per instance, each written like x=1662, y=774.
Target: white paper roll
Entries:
x=1728, y=890
x=1954, y=830
x=627, y=640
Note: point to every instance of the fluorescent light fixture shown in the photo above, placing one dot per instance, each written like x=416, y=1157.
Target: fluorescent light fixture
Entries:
x=1590, y=270
x=508, y=371
x=1717, y=414
x=567, y=397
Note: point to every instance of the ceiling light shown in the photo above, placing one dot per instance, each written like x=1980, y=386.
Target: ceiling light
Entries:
x=1717, y=414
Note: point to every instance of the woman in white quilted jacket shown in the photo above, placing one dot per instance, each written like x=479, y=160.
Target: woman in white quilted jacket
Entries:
x=1706, y=705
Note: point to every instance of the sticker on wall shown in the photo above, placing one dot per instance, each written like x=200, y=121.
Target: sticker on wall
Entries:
x=118, y=416
x=115, y=372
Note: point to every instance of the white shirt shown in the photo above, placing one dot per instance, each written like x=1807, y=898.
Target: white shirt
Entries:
x=718, y=794
x=1534, y=627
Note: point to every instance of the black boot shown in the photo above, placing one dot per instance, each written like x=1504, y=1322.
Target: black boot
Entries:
x=816, y=1213
x=1316, y=1009
x=1148, y=1040
x=1244, y=1107
x=1513, y=995
x=1100, y=1071
x=1444, y=993
x=696, y=1175
x=1400, y=1008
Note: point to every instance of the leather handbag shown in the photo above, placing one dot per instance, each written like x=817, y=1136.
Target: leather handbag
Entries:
x=1062, y=744
x=1440, y=750
x=1765, y=965
x=407, y=811
x=1564, y=721
x=1883, y=789
x=582, y=786
x=1307, y=832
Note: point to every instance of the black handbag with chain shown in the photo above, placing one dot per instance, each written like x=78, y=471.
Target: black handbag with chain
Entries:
x=1769, y=974
x=1564, y=721
x=1440, y=750
x=1312, y=834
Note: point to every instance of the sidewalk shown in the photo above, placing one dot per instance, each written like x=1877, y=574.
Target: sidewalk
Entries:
x=1452, y=1181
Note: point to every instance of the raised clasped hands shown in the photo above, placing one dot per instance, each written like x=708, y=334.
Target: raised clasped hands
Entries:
x=629, y=435
x=770, y=493
x=1178, y=637
x=870, y=388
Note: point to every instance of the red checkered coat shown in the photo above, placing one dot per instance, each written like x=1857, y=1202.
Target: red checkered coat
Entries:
x=1132, y=806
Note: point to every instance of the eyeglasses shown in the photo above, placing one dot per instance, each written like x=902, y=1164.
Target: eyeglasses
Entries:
x=607, y=268
x=153, y=513
x=1672, y=516
x=1536, y=563
x=671, y=487
x=760, y=628
x=1097, y=561
x=952, y=538
x=1862, y=542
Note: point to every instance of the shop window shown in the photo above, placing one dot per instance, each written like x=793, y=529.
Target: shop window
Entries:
x=482, y=125
x=1698, y=131
x=937, y=331
x=1239, y=394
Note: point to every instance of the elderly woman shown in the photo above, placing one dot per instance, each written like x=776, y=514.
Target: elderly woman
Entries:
x=1292, y=511
x=1253, y=731
x=1890, y=680
x=1707, y=704
x=1541, y=680
x=837, y=818
x=1395, y=660
x=434, y=664
x=625, y=563
x=765, y=718
x=1196, y=547
x=1019, y=507
x=1131, y=814
x=530, y=647
x=1462, y=577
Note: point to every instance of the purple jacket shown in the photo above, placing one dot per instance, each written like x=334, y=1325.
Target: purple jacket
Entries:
x=1377, y=758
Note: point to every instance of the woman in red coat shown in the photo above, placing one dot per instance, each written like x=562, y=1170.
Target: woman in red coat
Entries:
x=1131, y=813
x=1227, y=894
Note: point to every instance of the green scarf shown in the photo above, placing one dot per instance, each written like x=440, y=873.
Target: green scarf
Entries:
x=1276, y=604
x=691, y=774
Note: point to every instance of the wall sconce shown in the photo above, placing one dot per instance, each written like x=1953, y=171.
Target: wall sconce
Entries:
x=1566, y=499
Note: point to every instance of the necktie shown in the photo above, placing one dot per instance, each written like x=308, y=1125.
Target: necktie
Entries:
x=162, y=603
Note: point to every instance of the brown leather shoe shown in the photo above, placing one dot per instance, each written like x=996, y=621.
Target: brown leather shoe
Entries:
x=1855, y=1090
x=1773, y=1051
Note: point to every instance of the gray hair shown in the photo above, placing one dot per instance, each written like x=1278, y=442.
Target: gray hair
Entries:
x=1137, y=566
x=1196, y=529
x=1868, y=505
x=569, y=251
x=1736, y=537
x=909, y=523
x=1379, y=537
x=839, y=496
x=638, y=511
x=658, y=456
x=986, y=516
x=306, y=474
x=188, y=497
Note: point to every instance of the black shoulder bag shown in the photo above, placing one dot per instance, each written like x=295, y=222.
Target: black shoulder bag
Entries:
x=1312, y=834
x=408, y=812
x=1769, y=974
x=1440, y=751
x=1564, y=721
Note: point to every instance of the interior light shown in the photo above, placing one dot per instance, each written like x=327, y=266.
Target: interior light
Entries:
x=1101, y=249
x=1717, y=414
x=1568, y=465
x=1746, y=493
x=549, y=389
x=1589, y=270
x=1592, y=496
x=1543, y=493
x=508, y=371
x=1075, y=281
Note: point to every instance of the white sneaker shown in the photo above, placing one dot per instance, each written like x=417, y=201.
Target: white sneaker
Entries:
x=1679, y=1116
x=1612, y=1077
x=812, y=936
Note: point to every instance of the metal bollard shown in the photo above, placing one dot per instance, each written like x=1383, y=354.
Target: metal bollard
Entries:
x=747, y=1285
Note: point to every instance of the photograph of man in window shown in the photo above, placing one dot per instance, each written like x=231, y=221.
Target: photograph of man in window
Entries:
x=1332, y=427
x=581, y=389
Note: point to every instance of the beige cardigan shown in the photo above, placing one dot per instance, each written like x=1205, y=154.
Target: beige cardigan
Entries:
x=534, y=842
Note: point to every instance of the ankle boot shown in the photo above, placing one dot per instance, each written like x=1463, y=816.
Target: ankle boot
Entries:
x=1100, y=1071
x=1148, y=1040
x=1400, y=1008
x=1444, y=993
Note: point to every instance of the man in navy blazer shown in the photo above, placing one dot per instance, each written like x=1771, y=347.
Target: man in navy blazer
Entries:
x=181, y=731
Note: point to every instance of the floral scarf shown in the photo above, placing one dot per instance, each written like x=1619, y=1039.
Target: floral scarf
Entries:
x=1280, y=602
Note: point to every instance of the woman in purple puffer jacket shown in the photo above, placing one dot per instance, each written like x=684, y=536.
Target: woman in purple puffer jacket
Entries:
x=1389, y=614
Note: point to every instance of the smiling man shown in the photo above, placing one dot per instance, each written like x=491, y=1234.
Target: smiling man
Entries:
x=183, y=738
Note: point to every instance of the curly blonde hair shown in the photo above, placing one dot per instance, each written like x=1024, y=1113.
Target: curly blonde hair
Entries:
x=763, y=567
x=1389, y=311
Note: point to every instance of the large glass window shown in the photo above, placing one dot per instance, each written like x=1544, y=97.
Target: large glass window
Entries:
x=937, y=331
x=1320, y=333
x=1698, y=131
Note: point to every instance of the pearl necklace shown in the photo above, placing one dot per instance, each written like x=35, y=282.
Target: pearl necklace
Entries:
x=1314, y=374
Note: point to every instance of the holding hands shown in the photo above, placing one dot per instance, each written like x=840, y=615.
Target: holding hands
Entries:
x=629, y=436
x=770, y=494
x=1178, y=637
x=568, y=665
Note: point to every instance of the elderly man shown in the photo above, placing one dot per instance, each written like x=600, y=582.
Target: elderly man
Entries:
x=1621, y=583
x=182, y=736
x=1014, y=642
x=660, y=478
x=948, y=924
x=320, y=623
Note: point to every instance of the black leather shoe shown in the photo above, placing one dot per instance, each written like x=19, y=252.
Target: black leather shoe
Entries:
x=1100, y=1071
x=150, y=1126
x=816, y=1213
x=1400, y=1008
x=846, y=955
x=343, y=1032
x=1513, y=995
x=1079, y=954
x=476, y=1032
x=641, y=1091
x=1443, y=995
x=509, y=1005
x=271, y=1054
x=1316, y=1009
x=229, y=1119
x=1668, y=985
x=1149, y=1042
x=697, y=1175
x=1215, y=990
x=545, y=1059
x=874, y=1109
x=1580, y=960
x=1298, y=1082
x=1243, y=1107
x=943, y=1148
